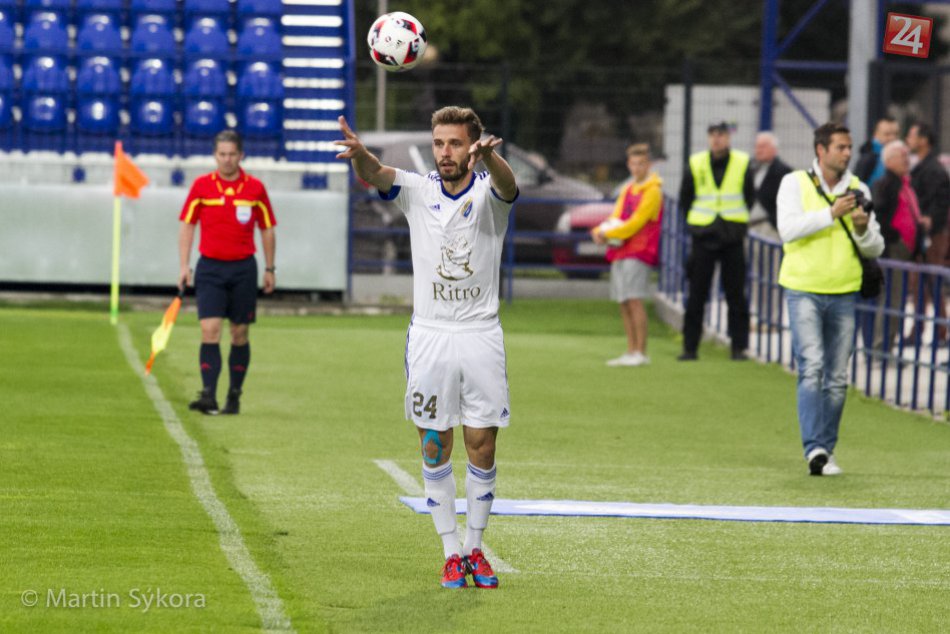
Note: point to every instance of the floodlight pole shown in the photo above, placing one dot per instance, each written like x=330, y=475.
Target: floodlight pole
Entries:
x=862, y=48
x=382, y=6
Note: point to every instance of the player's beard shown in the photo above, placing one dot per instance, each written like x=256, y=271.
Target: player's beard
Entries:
x=457, y=173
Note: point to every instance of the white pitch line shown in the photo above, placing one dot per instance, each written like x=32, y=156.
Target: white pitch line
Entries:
x=411, y=487
x=268, y=604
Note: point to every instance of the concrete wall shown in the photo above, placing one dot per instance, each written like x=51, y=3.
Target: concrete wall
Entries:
x=63, y=234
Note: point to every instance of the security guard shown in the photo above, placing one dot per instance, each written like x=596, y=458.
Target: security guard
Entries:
x=228, y=203
x=717, y=193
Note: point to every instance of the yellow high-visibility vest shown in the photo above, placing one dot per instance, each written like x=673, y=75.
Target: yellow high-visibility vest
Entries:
x=727, y=199
x=825, y=261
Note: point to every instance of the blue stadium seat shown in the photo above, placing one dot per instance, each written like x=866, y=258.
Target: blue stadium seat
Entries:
x=46, y=34
x=153, y=35
x=6, y=75
x=260, y=81
x=207, y=38
x=60, y=7
x=97, y=115
x=152, y=116
x=44, y=113
x=7, y=34
x=159, y=7
x=259, y=38
x=45, y=75
x=152, y=78
x=204, y=118
x=6, y=110
x=205, y=78
x=207, y=7
x=98, y=76
x=99, y=33
x=108, y=7
x=259, y=118
x=259, y=8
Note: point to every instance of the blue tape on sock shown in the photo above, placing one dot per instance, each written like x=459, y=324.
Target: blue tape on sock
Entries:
x=432, y=436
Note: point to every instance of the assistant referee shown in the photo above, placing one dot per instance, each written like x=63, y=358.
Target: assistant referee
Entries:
x=228, y=203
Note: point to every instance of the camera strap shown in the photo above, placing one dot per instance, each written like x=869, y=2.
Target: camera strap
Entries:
x=821, y=191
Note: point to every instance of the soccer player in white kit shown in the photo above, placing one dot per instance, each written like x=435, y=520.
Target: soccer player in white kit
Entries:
x=455, y=354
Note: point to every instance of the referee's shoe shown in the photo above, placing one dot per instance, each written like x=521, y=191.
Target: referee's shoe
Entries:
x=233, y=404
x=206, y=403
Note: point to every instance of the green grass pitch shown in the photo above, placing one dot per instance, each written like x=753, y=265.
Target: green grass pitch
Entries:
x=95, y=498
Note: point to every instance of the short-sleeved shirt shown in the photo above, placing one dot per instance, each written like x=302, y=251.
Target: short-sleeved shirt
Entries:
x=456, y=245
x=226, y=210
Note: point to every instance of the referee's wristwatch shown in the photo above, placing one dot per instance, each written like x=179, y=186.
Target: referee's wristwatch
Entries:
x=270, y=269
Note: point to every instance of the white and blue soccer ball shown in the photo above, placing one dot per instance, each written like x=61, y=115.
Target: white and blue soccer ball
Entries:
x=397, y=41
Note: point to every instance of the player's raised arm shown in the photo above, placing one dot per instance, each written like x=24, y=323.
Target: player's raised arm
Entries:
x=366, y=164
x=502, y=178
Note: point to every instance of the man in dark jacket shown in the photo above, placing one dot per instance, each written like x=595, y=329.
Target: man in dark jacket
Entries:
x=932, y=185
x=768, y=170
x=870, y=167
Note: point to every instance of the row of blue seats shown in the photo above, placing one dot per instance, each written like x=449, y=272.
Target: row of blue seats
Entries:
x=152, y=116
x=244, y=8
x=151, y=77
x=152, y=35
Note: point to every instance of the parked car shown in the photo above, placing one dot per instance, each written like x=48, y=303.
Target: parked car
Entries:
x=544, y=195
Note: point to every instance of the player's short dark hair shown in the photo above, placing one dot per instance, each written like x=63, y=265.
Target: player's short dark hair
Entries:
x=823, y=134
x=455, y=115
x=926, y=131
x=229, y=136
x=639, y=149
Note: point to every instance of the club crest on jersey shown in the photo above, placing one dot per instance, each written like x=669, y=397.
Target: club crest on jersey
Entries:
x=456, y=254
x=466, y=208
x=243, y=214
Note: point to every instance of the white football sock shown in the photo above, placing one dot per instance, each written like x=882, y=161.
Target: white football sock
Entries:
x=479, y=493
x=440, y=491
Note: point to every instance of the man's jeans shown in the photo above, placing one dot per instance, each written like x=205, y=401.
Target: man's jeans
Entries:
x=822, y=343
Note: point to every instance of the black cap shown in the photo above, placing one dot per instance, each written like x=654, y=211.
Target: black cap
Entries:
x=718, y=126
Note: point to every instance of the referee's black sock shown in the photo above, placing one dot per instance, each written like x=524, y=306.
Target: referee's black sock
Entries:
x=210, y=359
x=238, y=361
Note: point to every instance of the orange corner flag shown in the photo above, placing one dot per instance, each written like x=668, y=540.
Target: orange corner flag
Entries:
x=164, y=331
x=129, y=179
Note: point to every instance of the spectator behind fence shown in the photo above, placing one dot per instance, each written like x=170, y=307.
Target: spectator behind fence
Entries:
x=898, y=213
x=932, y=185
x=870, y=167
x=717, y=193
x=768, y=170
x=822, y=275
x=632, y=234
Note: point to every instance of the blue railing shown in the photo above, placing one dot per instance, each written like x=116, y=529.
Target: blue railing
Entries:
x=901, y=354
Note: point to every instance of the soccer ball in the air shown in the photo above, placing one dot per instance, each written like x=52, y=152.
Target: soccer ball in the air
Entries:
x=396, y=41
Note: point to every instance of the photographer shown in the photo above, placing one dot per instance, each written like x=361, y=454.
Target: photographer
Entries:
x=821, y=274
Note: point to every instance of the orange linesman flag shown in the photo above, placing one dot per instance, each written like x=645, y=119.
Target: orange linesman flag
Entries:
x=164, y=331
x=129, y=179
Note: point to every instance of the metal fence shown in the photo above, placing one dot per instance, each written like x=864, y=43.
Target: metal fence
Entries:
x=901, y=354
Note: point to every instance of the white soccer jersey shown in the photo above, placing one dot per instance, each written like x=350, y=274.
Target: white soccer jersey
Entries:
x=456, y=245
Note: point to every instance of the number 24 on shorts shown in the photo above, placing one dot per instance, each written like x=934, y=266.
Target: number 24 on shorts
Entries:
x=418, y=398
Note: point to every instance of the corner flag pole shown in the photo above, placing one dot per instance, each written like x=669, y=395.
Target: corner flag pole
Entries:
x=116, y=245
x=129, y=181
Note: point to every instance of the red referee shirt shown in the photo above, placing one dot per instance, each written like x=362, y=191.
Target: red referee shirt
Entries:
x=226, y=209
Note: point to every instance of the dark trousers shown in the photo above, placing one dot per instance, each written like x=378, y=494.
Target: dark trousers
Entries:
x=700, y=269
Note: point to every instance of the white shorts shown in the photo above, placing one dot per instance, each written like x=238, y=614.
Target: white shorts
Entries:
x=456, y=374
x=629, y=279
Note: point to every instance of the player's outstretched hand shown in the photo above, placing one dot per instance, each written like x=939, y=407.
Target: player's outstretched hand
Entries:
x=481, y=149
x=352, y=142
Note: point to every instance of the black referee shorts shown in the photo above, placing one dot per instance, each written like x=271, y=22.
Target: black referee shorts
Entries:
x=227, y=288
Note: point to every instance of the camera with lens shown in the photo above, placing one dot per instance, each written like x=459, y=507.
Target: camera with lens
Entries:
x=861, y=200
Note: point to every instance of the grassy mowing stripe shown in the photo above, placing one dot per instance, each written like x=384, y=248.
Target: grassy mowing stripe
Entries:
x=411, y=487
x=269, y=605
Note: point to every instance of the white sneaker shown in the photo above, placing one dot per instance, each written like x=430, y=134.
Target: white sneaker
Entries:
x=817, y=458
x=630, y=359
x=831, y=467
